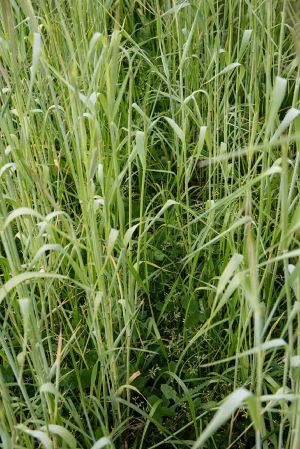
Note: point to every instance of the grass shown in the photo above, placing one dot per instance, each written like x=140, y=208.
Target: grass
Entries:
x=149, y=224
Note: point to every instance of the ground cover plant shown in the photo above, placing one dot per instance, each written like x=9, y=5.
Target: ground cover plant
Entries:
x=149, y=224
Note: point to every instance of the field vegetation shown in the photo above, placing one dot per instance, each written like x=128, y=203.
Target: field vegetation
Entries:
x=149, y=224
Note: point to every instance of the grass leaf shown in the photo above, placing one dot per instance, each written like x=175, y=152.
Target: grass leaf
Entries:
x=226, y=410
x=178, y=131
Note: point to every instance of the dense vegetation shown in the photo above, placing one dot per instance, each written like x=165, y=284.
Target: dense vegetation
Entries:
x=149, y=224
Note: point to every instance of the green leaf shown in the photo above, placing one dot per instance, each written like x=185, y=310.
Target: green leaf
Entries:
x=230, y=269
x=169, y=392
x=297, y=129
x=277, y=97
x=19, y=213
x=190, y=304
x=176, y=9
x=36, y=52
x=226, y=410
x=140, y=147
x=41, y=436
x=162, y=210
x=19, y=278
x=178, y=131
x=291, y=115
x=193, y=319
x=160, y=410
x=245, y=41
x=229, y=68
x=61, y=432
x=188, y=42
x=112, y=238
x=254, y=408
x=128, y=234
x=103, y=442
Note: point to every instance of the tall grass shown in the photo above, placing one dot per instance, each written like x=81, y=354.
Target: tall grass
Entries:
x=149, y=224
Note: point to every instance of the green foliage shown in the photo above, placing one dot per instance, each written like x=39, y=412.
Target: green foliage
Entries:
x=149, y=224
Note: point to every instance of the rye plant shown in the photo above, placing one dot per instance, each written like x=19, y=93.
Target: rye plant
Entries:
x=149, y=224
